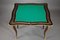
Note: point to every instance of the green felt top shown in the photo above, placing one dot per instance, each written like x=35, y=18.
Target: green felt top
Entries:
x=30, y=13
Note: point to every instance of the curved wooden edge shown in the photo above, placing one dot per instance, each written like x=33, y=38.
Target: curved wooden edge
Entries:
x=13, y=22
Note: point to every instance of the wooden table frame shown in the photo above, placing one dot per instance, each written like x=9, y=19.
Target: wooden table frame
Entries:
x=13, y=22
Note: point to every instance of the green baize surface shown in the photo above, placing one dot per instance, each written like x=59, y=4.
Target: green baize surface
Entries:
x=30, y=13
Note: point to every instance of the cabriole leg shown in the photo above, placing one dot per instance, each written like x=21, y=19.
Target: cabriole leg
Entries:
x=45, y=31
x=15, y=30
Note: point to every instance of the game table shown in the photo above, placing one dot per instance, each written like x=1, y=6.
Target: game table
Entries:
x=31, y=14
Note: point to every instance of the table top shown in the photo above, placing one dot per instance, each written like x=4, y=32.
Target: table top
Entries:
x=30, y=13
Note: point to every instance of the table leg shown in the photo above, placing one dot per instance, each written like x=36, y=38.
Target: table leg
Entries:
x=45, y=31
x=17, y=26
x=43, y=26
x=15, y=30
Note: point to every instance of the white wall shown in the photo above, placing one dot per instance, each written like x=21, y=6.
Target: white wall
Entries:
x=53, y=4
